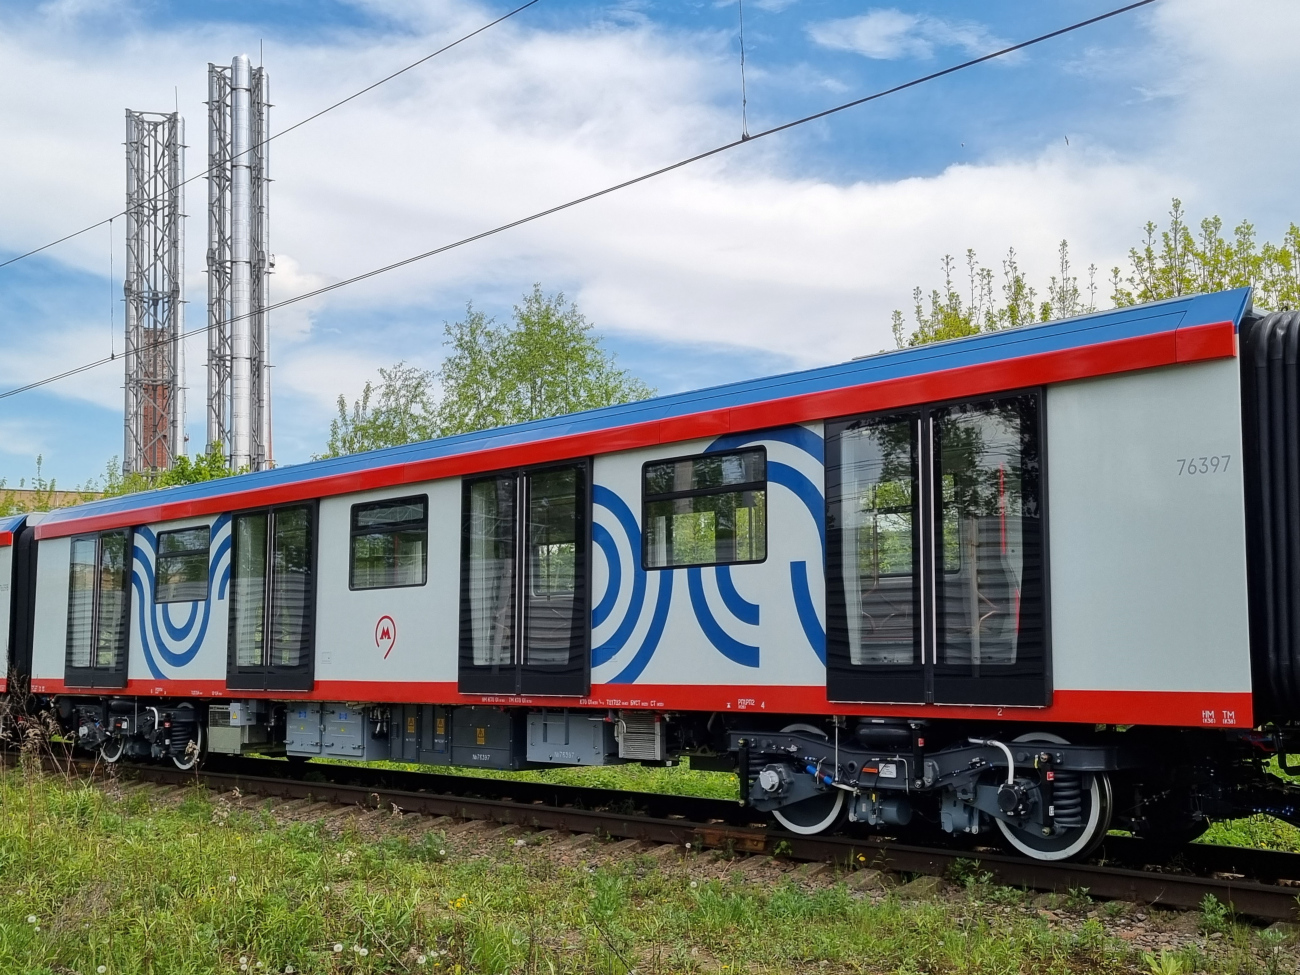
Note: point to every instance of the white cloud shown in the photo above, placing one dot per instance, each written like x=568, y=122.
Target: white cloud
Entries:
x=889, y=34
x=732, y=252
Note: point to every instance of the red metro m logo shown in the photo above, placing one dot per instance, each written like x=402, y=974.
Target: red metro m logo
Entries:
x=385, y=635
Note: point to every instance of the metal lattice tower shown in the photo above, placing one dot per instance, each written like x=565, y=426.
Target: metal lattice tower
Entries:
x=239, y=264
x=154, y=291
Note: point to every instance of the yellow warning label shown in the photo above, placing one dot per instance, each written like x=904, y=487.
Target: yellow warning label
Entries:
x=410, y=725
x=442, y=726
x=480, y=736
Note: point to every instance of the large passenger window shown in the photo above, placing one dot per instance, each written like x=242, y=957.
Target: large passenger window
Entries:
x=874, y=505
x=390, y=543
x=182, y=565
x=987, y=464
x=99, y=594
x=705, y=510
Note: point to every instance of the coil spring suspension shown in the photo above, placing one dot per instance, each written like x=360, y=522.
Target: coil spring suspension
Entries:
x=1067, y=798
x=179, y=735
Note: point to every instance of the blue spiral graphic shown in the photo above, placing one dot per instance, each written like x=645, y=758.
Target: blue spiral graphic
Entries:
x=183, y=640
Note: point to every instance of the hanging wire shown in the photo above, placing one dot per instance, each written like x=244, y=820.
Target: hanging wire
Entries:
x=744, y=99
x=112, y=326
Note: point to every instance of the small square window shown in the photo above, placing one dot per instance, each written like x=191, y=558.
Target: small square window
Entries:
x=705, y=510
x=389, y=544
x=182, y=565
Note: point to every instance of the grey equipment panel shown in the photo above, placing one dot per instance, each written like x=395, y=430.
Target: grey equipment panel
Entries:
x=566, y=738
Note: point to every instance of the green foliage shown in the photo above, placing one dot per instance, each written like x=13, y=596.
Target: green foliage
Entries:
x=1168, y=263
x=204, y=467
x=41, y=494
x=399, y=411
x=951, y=316
x=546, y=361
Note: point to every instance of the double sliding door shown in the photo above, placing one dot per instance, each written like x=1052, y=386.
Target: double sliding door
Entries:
x=936, y=582
x=525, y=547
x=272, y=607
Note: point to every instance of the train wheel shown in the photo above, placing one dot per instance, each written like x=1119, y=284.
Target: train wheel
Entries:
x=192, y=755
x=818, y=813
x=1077, y=841
x=113, y=749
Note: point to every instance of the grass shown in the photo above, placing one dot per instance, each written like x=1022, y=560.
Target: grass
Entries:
x=675, y=780
x=96, y=882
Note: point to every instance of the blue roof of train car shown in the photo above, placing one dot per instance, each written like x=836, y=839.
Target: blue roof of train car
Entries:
x=11, y=523
x=1131, y=322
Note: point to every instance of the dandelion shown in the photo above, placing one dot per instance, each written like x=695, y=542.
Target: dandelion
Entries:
x=694, y=883
x=243, y=959
x=288, y=969
x=38, y=927
x=688, y=846
x=243, y=968
x=442, y=853
x=102, y=969
x=31, y=918
x=363, y=952
x=232, y=878
x=327, y=888
x=337, y=949
x=421, y=959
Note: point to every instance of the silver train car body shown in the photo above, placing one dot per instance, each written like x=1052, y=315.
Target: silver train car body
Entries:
x=1038, y=582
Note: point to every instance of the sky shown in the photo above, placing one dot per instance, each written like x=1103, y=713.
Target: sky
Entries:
x=788, y=252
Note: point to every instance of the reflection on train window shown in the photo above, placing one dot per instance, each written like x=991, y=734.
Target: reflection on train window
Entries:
x=987, y=458
x=389, y=543
x=876, y=504
x=552, y=528
x=98, y=601
x=490, y=573
x=182, y=565
x=706, y=510
x=271, y=609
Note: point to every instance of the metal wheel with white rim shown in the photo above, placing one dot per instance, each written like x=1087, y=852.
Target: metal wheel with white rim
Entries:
x=112, y=750
x=815, y=814
x=1075, y=841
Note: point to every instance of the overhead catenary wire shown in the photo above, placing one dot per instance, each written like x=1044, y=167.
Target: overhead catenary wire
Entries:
x=375, y=272
x=296, y=125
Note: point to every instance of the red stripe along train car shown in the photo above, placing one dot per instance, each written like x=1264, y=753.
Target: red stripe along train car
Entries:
x=1042, y=582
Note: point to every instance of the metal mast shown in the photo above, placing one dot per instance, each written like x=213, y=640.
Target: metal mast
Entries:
x=239, y=264
x=154, y=291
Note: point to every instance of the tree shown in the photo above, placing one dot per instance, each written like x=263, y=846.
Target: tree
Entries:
x=546, y=361
x=1167, y=263
x=399, y=411
x=205, y=467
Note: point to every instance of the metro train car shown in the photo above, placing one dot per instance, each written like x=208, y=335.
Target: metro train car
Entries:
x=1040, y=583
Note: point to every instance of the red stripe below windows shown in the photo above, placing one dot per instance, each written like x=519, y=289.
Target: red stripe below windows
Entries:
x=1198, y=709
x=1190, y=344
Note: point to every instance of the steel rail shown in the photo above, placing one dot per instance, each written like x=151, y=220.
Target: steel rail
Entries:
x=1245, y=895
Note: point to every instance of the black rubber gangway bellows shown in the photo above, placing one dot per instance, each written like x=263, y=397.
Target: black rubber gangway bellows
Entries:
x=1270, y=373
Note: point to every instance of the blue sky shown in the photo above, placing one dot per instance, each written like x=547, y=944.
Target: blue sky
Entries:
x=790, y=252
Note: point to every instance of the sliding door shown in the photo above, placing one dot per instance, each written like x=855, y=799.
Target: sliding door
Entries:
x=272, y=606
x=99, y=605
x=935, y=555
x=525, y=552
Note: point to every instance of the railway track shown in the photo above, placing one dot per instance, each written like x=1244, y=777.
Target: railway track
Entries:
x=1258, y=883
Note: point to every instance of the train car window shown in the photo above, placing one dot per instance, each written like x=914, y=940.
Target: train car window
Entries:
x=98, y=609
x=390, y=543
x=988, y=527
x=705, y=510
x=489, y=557
x=182, y=565
x=874, y=508
x=249, y=592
